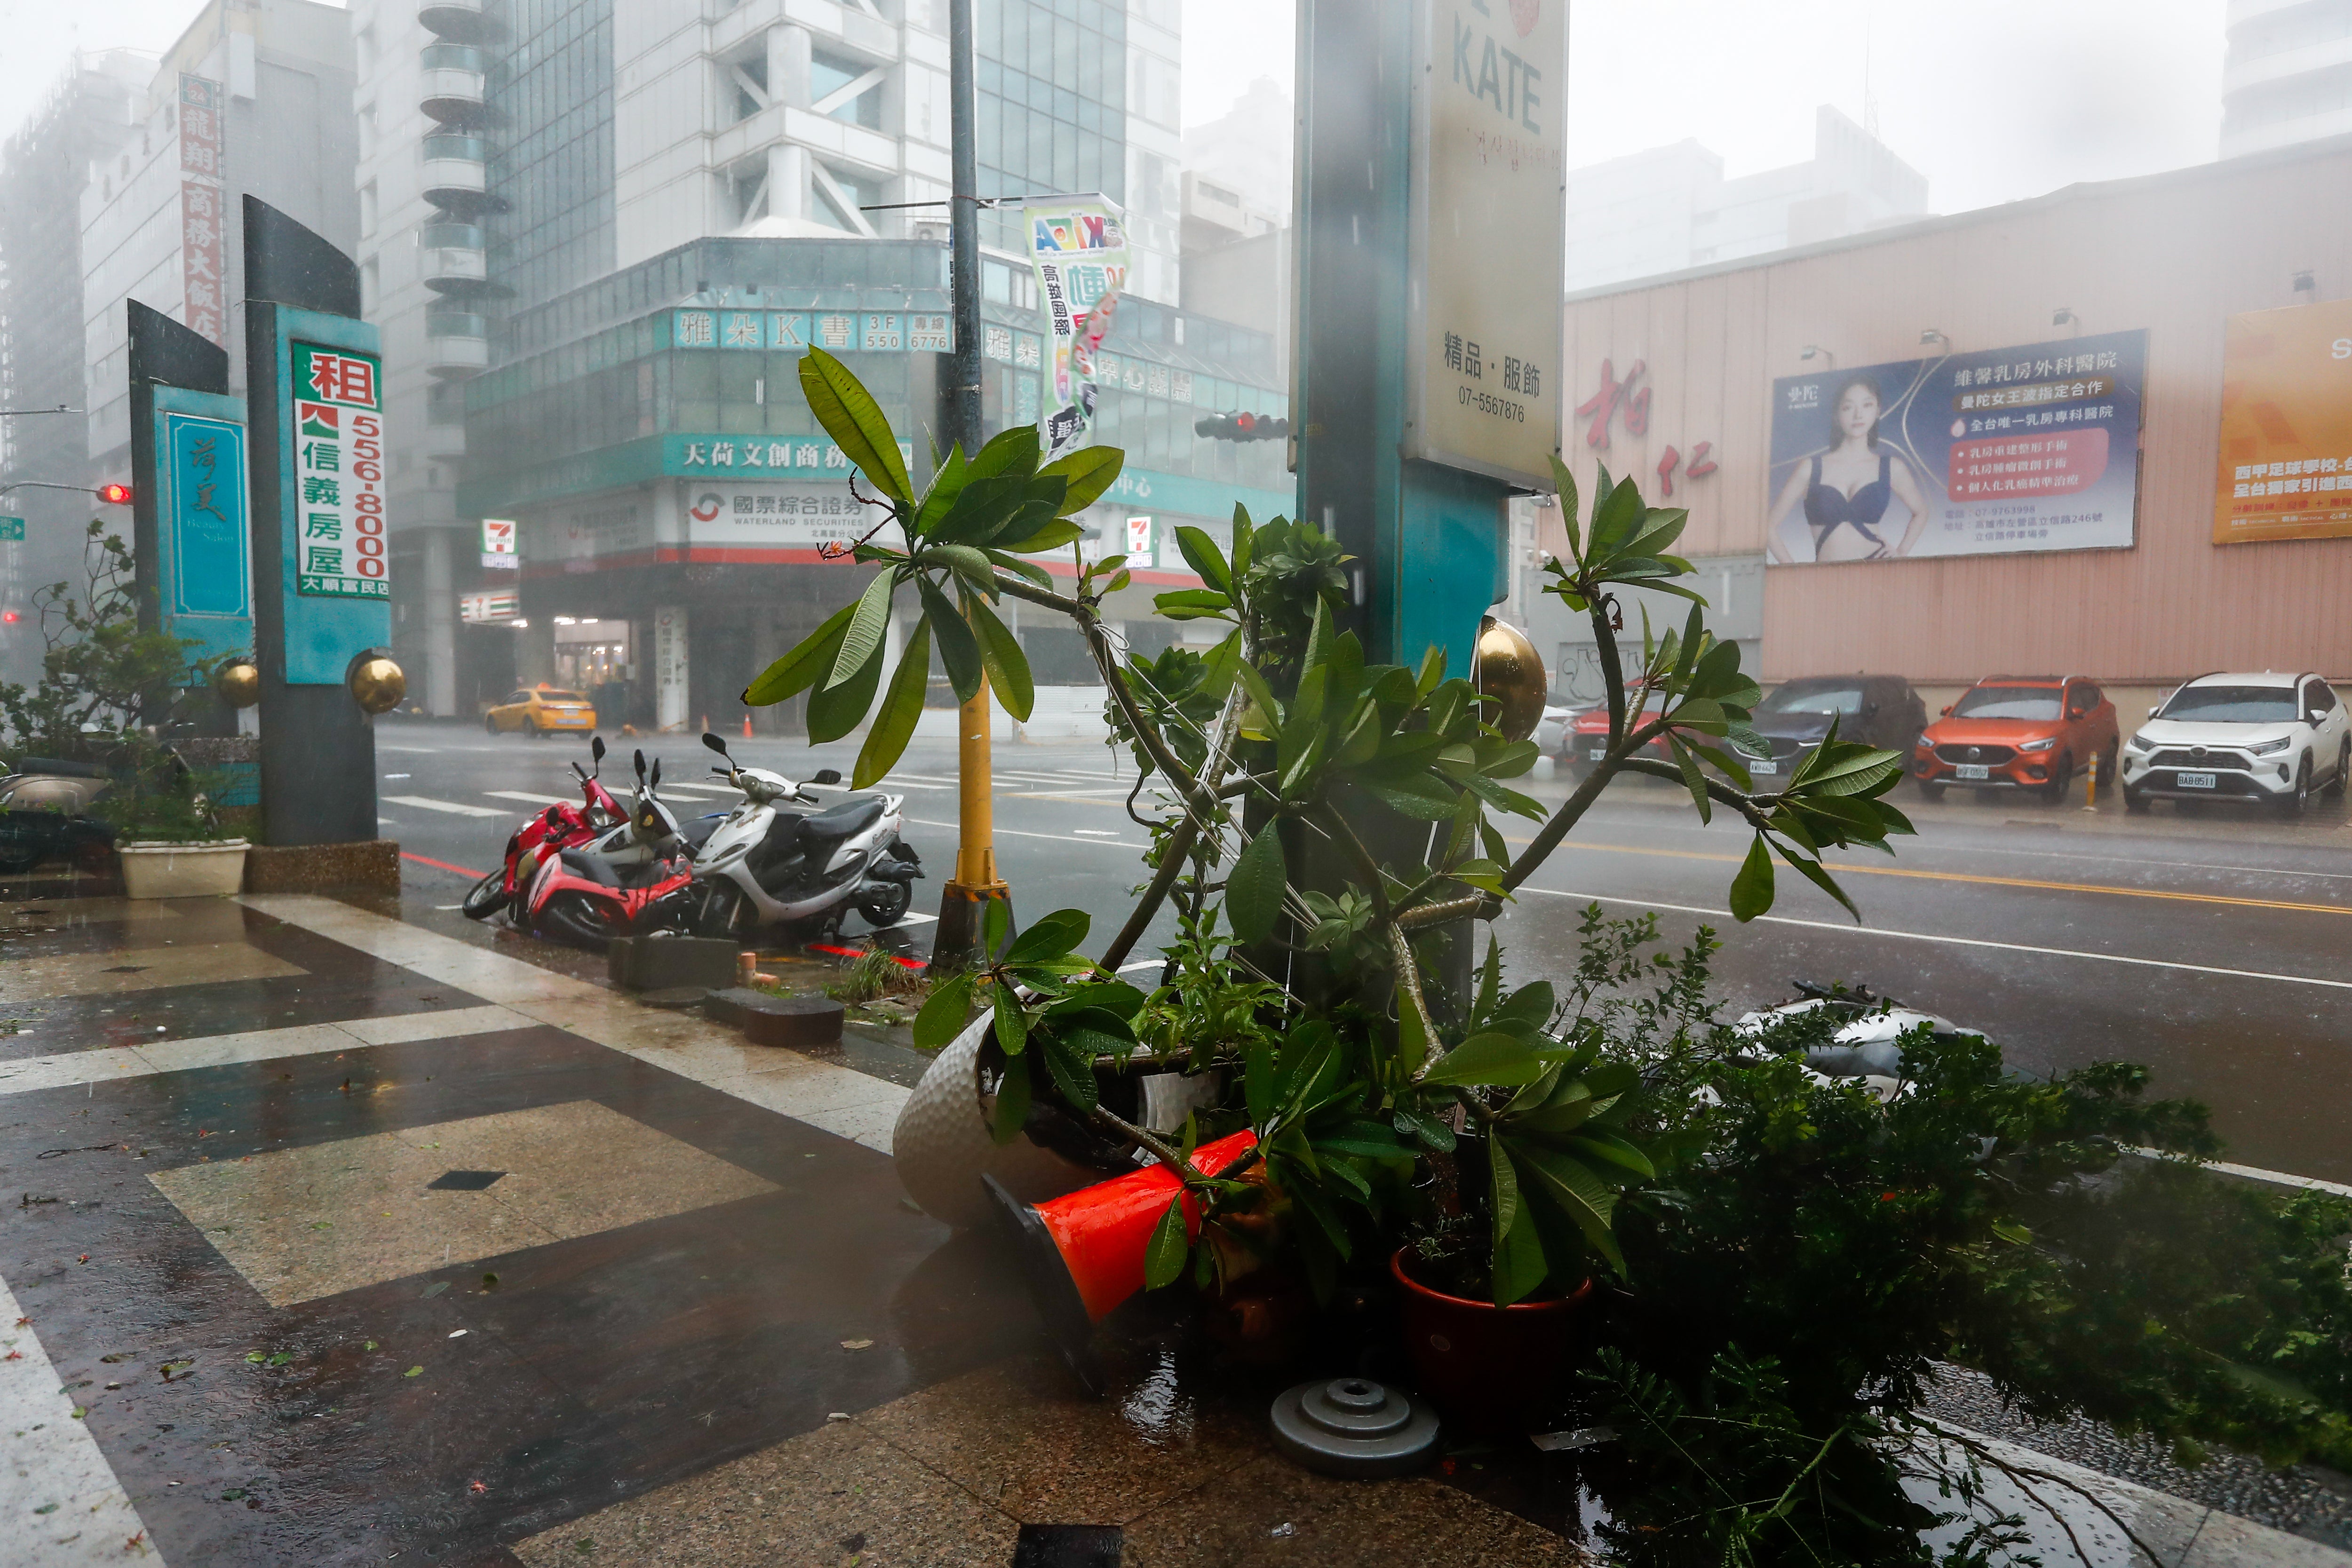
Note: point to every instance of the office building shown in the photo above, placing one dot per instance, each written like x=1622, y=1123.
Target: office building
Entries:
x=2288, y=75
x=1670, y=207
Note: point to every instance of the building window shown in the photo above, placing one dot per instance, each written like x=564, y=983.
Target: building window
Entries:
x=846, y=90
x=367, y=207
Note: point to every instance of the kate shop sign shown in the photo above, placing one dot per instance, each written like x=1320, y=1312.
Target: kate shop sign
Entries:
x=339, y=473
x=1489, y=228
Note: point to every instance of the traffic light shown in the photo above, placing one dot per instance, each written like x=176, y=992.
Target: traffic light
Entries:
x=114, y=495
x=10, y=618
x=1242, y=427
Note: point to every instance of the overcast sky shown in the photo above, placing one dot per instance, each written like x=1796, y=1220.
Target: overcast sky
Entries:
x=1992, y=101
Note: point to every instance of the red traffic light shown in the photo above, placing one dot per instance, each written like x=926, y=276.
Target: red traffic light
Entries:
x=1242, y=427
x=9, y=617
x=114, y=495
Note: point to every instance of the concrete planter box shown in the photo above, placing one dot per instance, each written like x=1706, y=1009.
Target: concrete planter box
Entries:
x=151, y=869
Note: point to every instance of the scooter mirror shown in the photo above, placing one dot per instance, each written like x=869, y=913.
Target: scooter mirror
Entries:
x=641, y=767
x=827, y=776
x=714, y=742
x=596, y=749
x=657, y=783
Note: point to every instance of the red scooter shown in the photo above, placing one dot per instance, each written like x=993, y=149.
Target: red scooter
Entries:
x=588, y=898
x=560, y=826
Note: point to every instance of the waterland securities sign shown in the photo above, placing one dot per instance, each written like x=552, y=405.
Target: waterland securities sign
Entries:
x=338, y=416
x=1489, y=228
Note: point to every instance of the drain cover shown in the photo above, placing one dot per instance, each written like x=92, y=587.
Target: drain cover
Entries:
x=1354, y=1427
x=1068, y=1546
x=462, y=1181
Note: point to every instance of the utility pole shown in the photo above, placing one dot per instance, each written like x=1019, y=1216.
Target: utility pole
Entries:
x=965, y=897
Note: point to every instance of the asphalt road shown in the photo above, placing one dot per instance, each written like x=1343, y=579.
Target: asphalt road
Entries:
x=2214, y=946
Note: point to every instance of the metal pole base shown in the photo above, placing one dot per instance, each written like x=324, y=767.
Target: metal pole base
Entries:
x=963, y=912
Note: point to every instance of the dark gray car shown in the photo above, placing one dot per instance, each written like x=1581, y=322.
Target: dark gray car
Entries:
x=1879, y=709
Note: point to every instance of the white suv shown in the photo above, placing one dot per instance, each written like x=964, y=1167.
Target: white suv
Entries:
x=2267, y=737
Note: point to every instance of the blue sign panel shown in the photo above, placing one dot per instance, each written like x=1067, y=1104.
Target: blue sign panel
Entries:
x=320, y=365
x=206, y=542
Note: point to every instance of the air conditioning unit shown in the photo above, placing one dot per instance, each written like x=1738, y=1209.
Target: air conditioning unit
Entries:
x=934, y=231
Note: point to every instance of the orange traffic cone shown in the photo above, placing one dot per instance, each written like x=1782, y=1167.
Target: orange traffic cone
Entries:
x=1083, y=1253
x=747, y=726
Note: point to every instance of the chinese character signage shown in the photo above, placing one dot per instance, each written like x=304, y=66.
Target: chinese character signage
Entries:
x=203, y=303
x=1078, y=247
x=725, y=455
x=339, y=475
x=1489, y=238
x=2286, y=425
x=754, y=517
x=204, y=531
x=1990, y=453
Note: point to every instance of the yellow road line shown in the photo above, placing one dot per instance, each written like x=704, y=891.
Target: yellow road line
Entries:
x=1845, y=867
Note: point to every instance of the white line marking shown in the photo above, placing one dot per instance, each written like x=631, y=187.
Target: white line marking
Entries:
x=426, y=803
x=1094, y=833
x=524, y=795
x=1954, y=940
x=419, y=750
x=54, y=1464
x=2253, y=1174
x=910, y=919
x=1050, y=838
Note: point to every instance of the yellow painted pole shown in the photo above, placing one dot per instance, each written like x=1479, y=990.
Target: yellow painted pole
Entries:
x=976, y=805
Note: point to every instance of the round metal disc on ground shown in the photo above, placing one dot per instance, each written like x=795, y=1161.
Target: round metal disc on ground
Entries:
x=1354, y=1427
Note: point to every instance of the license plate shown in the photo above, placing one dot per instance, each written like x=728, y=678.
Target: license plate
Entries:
x=1599, y=753
x=2193, y=781
x=1972, y=770
x=1764, y=769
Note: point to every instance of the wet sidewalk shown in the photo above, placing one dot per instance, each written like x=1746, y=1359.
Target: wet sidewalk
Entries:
x=331, y=1239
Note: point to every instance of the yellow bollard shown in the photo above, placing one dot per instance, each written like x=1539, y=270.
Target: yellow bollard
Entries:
x=2091, y=786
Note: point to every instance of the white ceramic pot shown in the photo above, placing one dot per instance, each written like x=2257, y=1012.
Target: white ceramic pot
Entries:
x=941, y=1145
x=153, y=870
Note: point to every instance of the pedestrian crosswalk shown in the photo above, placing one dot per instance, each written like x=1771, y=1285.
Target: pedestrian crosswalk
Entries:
x=454, y=808
x=1035, y=783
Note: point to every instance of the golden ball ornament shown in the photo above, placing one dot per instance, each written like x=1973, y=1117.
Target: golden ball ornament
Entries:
x=1508, y=667
x=378, y=684
x=239, y=682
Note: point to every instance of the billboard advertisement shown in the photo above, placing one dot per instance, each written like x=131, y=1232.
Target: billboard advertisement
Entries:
x=1988, y=453
x=2286, y=425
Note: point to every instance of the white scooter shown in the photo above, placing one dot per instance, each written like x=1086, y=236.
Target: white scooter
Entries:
x=767, y=864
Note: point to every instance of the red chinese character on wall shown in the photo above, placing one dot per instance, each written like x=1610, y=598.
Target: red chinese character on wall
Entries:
x=1603, y=404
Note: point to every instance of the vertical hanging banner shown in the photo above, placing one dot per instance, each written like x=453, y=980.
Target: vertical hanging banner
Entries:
x=338, y=444
x=202, y=253
x=204, y=559
x=1489, y=238
x=1078, y=247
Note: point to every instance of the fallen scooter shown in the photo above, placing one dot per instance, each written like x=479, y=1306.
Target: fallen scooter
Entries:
x=563, y=825
x=43, y=807
x=588, y=896
x=769, y=865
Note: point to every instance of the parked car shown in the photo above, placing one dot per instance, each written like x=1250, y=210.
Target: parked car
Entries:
x=1878, y=710
x=1554, y=736
x=1586, y=739
x=2266, y=737
x=2019, y=731
x=540, y=710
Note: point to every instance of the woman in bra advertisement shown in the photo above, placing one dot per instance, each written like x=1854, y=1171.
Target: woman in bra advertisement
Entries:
x=1848, y=493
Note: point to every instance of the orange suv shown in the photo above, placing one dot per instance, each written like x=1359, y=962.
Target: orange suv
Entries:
x=2019, y=731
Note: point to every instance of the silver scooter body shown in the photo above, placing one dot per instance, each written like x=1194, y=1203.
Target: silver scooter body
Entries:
x=772, y=861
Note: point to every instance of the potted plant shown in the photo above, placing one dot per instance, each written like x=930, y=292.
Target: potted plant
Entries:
x=167, y=827
x=1493, y=1150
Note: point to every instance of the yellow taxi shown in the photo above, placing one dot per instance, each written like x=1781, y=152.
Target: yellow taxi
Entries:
x=539, y=710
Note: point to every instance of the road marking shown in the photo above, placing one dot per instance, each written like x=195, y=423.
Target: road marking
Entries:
x=1954, y=940
x=1094, y=832
x=2252, y=1172
x=524, y=795
x=419, y=750
x=910, y=919
x=1843, y=867
x=56, y=1469
x=1051, y=837
x=443, y=864
x=426, y=803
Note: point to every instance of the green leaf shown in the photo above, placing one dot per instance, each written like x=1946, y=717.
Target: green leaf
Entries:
x=1564, y=484
x=902, y=705
x=1050, y=936
x=1820, y=878
x=798, y=669
x=1426, y=1130
x=945, y=1013
x=1090, y=470
x=1519, y=1264
x=1052, y=536
x=855, y=422
x=947, y=482
x=1012, y=1024
x=1694, y=781
x=1254, y=890
x=994, y=920
x=837, y=709
x=1011, y=450
x=1072, y=1068
x=1201, y=553
x=1616, y=1150
x=1164, y=1257
x=1751, y=890
x=872, y=618
x=1012, y=1097
x=1007, y=666
x=1563, y=1181
x=959, y=650
x=1493, y=1058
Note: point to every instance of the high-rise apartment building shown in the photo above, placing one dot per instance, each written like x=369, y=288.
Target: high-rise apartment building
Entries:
x=1670, y=207
x=253, y=98
x=561, y=198
x=89, y=116
x=2288, y=77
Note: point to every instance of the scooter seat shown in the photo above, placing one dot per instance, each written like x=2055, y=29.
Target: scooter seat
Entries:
x=851, y=817
x=697, y=830
x=590, y=868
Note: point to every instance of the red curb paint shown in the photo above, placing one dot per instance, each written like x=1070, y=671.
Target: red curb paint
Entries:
x=444, y=866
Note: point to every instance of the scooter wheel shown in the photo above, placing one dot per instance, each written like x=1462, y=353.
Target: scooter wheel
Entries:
x=486, y=897
x=886, y=909
x=569, y=917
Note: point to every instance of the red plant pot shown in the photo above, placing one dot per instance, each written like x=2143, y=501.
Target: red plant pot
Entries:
x=1487, y=1369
